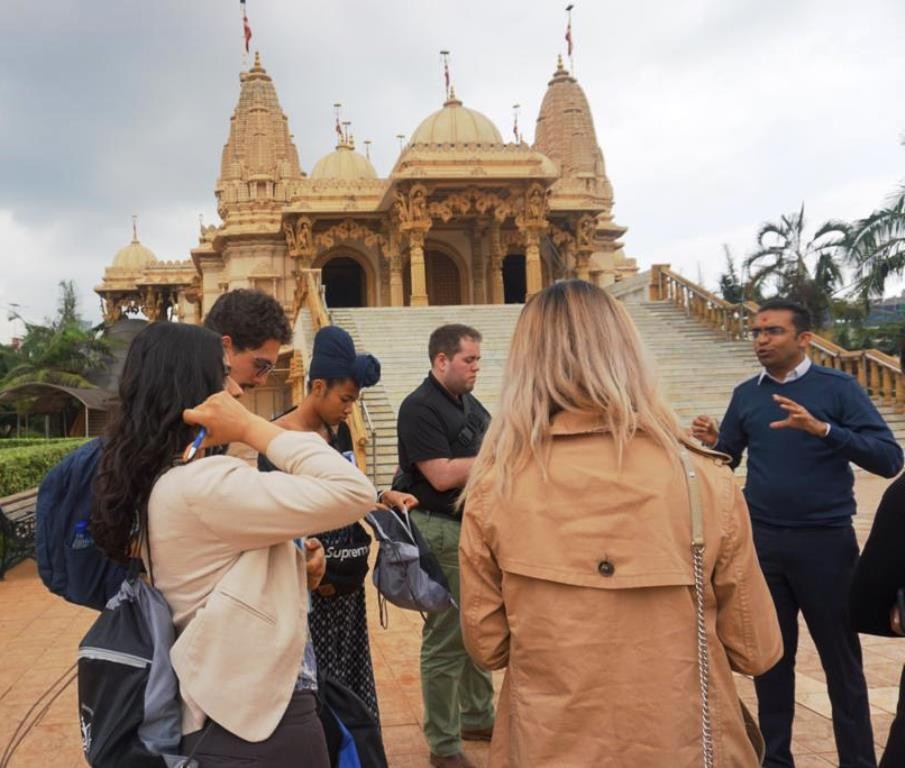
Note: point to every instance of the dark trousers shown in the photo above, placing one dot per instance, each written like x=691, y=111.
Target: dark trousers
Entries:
x=810, y=570
x=297, y=742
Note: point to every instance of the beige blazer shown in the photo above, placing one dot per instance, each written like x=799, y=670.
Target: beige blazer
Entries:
x=581, y=586
x=222, y=555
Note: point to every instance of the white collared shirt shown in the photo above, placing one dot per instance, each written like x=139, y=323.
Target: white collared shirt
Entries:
x=796, y=373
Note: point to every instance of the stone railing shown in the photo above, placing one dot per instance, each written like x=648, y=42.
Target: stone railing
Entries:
x=879, y=373
x=309, y=297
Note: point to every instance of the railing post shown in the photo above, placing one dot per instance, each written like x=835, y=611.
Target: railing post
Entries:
x=655, y=290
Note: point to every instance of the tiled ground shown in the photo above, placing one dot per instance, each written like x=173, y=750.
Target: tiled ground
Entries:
x=39, y=634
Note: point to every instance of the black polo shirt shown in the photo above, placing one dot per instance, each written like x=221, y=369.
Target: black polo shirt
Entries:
x=433, y=424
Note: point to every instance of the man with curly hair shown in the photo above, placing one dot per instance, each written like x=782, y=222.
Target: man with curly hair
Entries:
x=253, y=326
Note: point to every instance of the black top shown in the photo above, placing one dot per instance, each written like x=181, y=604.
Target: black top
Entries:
x=433, y=424
x=881, y=570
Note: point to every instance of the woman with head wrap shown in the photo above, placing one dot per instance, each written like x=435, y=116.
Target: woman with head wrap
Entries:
x=338, y=619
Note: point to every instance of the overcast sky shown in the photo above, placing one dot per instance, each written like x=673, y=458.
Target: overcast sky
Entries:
x=713, y=115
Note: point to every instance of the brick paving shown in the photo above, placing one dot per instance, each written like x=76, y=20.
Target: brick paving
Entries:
x=39, y=634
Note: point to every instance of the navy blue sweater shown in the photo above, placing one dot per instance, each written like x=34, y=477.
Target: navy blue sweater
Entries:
x=796, y=479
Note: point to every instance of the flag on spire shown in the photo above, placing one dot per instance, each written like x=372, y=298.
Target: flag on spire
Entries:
x=569, y=29
x=246, y=27
x=445, y=56
x=339, y=128
x=515, y=111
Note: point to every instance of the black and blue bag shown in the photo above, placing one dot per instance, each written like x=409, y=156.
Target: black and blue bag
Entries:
x=68, y=562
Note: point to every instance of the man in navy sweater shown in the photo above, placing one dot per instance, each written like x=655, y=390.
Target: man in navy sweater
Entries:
x=802, y=425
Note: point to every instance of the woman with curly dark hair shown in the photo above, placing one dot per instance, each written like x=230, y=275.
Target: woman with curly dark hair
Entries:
x=217, y=538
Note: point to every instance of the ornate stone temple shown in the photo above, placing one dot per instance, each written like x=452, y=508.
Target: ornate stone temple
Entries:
x=463, y=218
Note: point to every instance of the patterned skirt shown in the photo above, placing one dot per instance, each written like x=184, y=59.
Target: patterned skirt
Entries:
x=339, y=629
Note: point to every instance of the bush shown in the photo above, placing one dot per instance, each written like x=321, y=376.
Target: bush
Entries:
x=24, y=467
x=34, y=442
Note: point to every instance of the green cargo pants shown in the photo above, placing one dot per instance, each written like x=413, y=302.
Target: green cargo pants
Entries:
x=457, y=694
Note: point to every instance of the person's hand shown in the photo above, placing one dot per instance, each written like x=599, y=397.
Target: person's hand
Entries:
x=798, y=418
x=228, y=421
x=397, y=499
x=315, y=562
x=704, y=429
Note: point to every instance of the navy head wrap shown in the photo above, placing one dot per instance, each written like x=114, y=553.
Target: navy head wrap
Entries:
x=334, y=358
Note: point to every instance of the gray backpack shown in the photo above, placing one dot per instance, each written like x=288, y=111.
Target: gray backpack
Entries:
x=406, y=573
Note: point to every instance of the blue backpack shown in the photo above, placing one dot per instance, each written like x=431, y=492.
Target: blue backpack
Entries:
x=68, y=562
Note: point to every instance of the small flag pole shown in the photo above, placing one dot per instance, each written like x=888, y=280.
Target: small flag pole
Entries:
x=401, y=137
x=515, y=111
x=346, y=124
x=444, y=57
x=368, y=148
x=569, y=8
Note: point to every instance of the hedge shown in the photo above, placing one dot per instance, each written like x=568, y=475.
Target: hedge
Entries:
x=23, y=468
x=32, y=442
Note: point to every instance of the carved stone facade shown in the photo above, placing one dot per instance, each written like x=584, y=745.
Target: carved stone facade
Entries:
x=462, y=217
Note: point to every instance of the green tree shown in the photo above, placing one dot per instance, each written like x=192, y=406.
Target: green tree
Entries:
x=875, y=248
x=731, y=287
x=60, y=352
x=787, y=264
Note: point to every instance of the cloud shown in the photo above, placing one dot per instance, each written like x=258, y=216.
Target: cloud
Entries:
x=713, y=116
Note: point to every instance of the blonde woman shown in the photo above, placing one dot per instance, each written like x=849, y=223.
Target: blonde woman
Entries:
x=576, y=569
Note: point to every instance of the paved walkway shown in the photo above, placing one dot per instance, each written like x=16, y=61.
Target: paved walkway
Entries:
x=39, y=634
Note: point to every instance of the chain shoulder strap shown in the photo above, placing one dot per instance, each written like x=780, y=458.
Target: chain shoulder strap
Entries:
x=697, y=556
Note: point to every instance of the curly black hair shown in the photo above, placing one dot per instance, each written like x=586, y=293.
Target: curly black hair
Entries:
x=169, y=367
x=249, y=318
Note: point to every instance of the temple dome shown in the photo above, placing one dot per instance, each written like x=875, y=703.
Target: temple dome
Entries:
x=455, y=124
x=344, y=163
x=134, y=257
x=565, y=129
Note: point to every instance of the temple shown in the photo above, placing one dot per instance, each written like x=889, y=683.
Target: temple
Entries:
x=463, y=217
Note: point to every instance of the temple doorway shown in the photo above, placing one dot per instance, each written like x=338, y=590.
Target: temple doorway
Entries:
x=344, y=282
x=514, y=286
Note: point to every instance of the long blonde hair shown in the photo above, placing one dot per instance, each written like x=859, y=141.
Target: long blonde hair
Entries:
x=574, y=349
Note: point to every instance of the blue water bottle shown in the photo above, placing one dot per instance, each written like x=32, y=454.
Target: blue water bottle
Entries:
x=82, y=538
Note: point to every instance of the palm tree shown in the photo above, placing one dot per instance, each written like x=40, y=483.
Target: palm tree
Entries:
x=61, y=352
x=875, y=248
x=806, y=271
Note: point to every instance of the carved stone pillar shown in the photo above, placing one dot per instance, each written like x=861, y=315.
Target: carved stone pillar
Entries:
x=584, y=237
x=533, y=275
x=416, y=268
x=397, y=297
x=478, y=268
x=532, y=222
x=497, y=295
x=411, y=212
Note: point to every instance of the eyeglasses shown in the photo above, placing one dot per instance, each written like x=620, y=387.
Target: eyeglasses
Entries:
x=263, y=367
x=770, y=330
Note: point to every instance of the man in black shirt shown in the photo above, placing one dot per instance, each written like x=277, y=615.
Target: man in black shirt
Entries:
x=440, y=428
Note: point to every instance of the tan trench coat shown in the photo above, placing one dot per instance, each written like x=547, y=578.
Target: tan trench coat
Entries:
x=581, y=586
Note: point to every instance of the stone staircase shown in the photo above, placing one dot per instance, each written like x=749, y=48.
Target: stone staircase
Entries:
x=697, y=366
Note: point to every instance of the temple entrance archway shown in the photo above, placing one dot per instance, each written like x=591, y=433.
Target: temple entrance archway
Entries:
x=345, y=282
x=514, y=285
